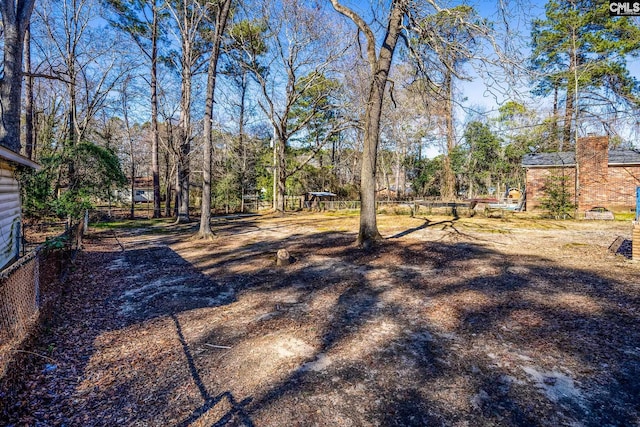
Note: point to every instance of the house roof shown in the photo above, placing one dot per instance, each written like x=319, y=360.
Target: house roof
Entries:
x=14, y=157
x=561, y=158
x=624, y=157
x=142, y=182
x=568, y=158
x=322, y=194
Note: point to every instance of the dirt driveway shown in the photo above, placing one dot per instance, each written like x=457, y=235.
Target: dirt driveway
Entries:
x=463, y=323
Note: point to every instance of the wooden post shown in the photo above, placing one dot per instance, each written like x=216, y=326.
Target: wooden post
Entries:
x=635, y=242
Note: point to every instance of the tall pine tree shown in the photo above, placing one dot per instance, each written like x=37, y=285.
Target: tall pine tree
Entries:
x=579, y=54
x=141, y=19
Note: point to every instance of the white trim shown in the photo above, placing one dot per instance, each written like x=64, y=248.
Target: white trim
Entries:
x=625, y=164
x=568, y=165
x=14, y=157
x=573, y=165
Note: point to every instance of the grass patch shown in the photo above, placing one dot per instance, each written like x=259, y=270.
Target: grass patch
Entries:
x=351, y=212
x=132, y=223
x=624, y=216
x=485, y=228
x=575, y=245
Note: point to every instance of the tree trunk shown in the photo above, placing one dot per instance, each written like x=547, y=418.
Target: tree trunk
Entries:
x=205, y=214
x=399, y=156
x=176, y=200
x=569, y=102
x=15, y=19
x=183, y=180
x=132, y=170
x=241, y=142
x=556, y=139
x=281, y=174
x=155, y=164
x=368, y=232
x=29, y=139
x=184, y=150
x=167, y=185
x=568, y=117
x=132, y=208
x=72, y=136
x=449, y=188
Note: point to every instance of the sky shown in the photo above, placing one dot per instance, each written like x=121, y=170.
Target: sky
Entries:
x=478, y=94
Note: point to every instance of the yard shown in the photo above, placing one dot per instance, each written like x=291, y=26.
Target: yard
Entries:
x=467, y=322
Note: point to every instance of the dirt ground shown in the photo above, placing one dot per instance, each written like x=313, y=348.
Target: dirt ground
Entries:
x=467, y=322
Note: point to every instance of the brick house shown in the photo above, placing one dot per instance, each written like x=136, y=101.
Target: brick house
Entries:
x=600, y=177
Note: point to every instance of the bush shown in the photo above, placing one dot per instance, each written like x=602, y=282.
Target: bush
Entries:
x=557, y=200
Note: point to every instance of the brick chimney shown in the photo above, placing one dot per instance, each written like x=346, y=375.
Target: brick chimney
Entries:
x=592, y=162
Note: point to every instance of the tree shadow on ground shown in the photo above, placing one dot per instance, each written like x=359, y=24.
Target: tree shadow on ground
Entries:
x=549, y=321
x=237, y=408
x=408, y=333
x=427, y=223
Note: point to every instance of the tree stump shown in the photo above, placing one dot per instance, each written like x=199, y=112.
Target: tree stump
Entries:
x=283, y=258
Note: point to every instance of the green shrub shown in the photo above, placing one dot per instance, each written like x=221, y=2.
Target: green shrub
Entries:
x=557, y=200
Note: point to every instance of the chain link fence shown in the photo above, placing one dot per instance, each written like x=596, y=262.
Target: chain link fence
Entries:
x=30, y=286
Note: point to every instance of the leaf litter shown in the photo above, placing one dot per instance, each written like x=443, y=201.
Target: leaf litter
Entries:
x=534, y=325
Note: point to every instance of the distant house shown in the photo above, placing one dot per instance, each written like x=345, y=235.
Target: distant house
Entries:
x=10, y=204
x=597, y=176
x=143, y=191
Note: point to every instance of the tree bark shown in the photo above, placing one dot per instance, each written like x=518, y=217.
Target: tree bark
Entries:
x=241, y=142
x=449, y=188
x=155, y=164
x=380, y=67
x=29, y=139
x=15, y=20
x=184, y=150
x=205, y=214
x=281, y=174
x=569, y=101
x=568, y=117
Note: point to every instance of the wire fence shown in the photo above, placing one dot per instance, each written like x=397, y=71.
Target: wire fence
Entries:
x=30, y=286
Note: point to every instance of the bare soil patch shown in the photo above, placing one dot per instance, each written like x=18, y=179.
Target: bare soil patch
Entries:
x=447, y=322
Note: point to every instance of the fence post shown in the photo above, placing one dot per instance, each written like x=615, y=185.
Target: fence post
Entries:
x=86, y=221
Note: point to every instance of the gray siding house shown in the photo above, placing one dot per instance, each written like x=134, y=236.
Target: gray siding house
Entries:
x=10, y=204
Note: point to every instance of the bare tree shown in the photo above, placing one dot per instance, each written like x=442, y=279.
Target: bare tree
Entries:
x=302, y=53
x=446, y=41
x=88, y=65
x=380, y=66
x=406, y=19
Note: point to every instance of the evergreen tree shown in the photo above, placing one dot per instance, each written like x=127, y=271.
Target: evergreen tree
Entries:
x=479, y=159
x=579, y=51
x=557, y=200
